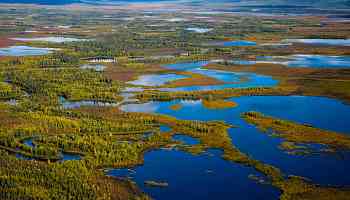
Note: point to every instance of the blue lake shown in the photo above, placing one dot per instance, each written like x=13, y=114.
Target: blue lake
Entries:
x=335, y=42
x=237, y=43
x=230, y=178
x=24, y=51
x=232, y=79
x=332, y=116
x=206, y=176
x=164, y=128
x=187, y=140
x=156, y=79
x=313, y=61
x=319, y=61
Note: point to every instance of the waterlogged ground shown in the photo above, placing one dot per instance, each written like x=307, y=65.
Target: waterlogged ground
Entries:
x=231, y=79
x=66, y=104
x=64, y=156
x=96, y=67
x=24, y=51
x=313, y=61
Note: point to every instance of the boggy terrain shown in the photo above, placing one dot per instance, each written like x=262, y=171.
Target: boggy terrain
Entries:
x=304, y=81
x=65, y=75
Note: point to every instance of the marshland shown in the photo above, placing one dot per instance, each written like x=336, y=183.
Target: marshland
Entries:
x=174, y=100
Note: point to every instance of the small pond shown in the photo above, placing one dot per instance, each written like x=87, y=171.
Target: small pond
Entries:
x=96, y=67
x=66, y=104
x=24, y=51
x=199, y=30
x=64, y=156
x=187, y=140
x=237, y=43
x=49, y=39
x=156, y=79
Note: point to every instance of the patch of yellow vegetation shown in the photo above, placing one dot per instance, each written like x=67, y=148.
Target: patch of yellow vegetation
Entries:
x=297, y=133
x=218, y=104
x=298, y=188
x=193, y=79
x=176, y=107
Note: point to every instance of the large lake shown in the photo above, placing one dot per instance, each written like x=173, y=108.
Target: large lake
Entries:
x=208, y=176
x=332, y=116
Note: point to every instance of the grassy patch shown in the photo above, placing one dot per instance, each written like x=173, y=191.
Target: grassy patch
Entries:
x=193, y=80
x=176, y=107
x=298, y=133
x=218, y=104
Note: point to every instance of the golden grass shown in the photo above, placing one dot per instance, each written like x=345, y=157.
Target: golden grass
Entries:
x=176, y=107
x=218, y=104
x=297, y=188
x=298, y=133
x=193, y=80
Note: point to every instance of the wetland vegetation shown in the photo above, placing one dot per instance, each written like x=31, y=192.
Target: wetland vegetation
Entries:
x=297, y=133
x=218, y=104
x=87, y=94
